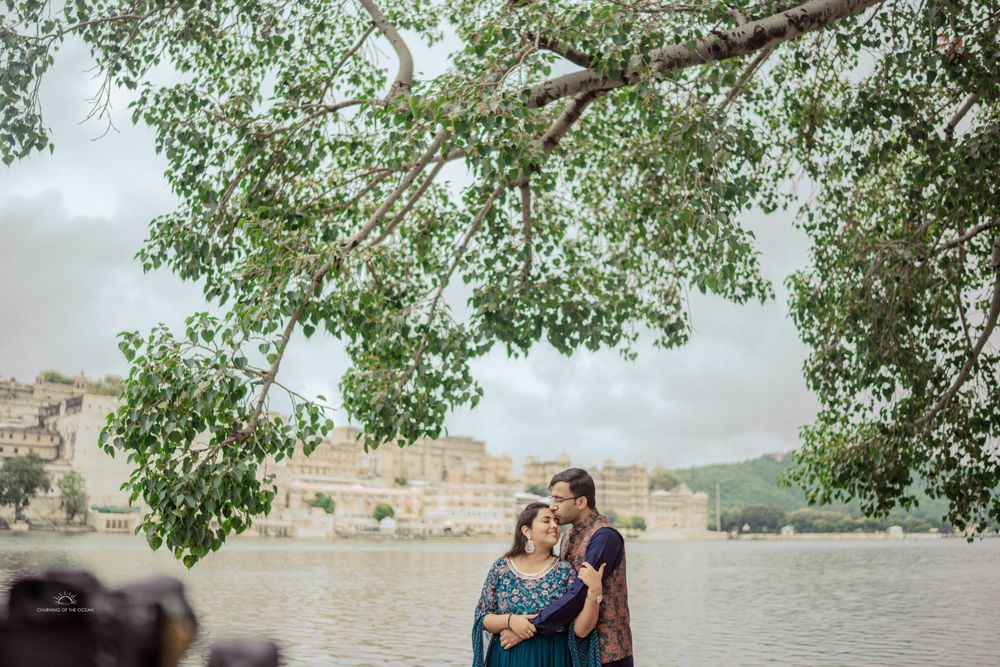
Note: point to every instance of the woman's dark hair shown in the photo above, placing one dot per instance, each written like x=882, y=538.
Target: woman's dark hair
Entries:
x=525, y=518
x=580, y=484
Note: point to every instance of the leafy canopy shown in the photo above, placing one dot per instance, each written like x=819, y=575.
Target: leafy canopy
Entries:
x=609, y=150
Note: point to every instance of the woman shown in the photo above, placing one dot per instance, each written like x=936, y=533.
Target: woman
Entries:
x=522, y=583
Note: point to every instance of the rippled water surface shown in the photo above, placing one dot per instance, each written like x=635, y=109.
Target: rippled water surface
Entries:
x=349, y=602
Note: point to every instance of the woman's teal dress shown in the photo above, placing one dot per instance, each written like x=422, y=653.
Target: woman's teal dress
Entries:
x=508, y=591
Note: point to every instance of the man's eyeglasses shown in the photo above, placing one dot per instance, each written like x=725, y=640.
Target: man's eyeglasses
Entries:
x=557, y=500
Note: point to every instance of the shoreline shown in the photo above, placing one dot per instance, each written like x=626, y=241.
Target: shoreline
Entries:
x=774, y=537
x=697, y=537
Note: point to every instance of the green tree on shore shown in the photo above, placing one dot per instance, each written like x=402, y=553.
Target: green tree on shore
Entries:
x=21, y=479
x=611, y=150
x=663, y=480
x=538, y=490
x=382, y=510
x=759, y=518
x=758, y=482
x=763, y=518
x=323, y=500
x=636, y=522
x=73, y=494
x=109, y=385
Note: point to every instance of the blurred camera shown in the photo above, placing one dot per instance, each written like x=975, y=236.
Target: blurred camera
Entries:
x=67, y=618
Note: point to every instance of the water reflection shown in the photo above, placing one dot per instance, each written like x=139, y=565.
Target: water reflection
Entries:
x=356, y=603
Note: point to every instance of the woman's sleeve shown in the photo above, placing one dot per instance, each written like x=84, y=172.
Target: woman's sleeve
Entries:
x=570, y=580
x=487, y=605
x=584, y=651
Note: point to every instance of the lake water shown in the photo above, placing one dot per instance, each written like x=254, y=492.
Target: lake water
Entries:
x=353, y=603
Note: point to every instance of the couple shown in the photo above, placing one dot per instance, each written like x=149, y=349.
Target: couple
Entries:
x=545, y=611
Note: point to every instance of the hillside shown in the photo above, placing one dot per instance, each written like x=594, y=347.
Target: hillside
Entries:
x=755, y=482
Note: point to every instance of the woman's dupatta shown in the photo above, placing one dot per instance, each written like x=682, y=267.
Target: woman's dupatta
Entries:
x=585, y=651
x=487, y=605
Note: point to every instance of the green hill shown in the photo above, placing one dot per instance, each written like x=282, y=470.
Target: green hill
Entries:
x=755, y=482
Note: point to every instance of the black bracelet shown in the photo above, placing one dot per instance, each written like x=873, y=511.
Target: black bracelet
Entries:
x=508, y=621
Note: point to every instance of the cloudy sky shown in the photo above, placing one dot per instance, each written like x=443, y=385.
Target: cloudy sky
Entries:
x=71, y=222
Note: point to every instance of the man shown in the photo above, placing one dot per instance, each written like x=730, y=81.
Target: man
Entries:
x=591, y=539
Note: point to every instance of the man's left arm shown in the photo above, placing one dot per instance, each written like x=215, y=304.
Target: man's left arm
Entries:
x=605, y=548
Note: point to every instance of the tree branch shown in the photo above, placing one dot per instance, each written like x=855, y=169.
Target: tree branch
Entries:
x=748, y=38
x=380, y=175
x=343, y=59
x=526, y=228
x=949, y=129
x=959, y=303
x=968, y=235
x=984, y=336
x=404, y=77
x=746, y=76
x=139, y=18
x=552, y=44
x=269, y=376
x=459, y=252
x=407, y=181
x=560, y=126
x=417, y=194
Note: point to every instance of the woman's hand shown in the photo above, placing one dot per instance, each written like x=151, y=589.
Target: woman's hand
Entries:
x=509, y=639
x=592, y=578
x=521, y=625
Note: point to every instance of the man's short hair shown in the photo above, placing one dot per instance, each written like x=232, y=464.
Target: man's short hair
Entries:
x=580, y=484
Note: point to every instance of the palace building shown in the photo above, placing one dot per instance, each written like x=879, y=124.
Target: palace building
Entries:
x=625, y=490
x=60, y=420
x=447, y=485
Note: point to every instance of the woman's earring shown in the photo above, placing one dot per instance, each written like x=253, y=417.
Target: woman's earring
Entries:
x=529, y=546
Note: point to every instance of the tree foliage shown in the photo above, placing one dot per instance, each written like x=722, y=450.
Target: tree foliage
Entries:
x=109, y=385
x=21, y=479
x=760, y=519
x=901, y=301
x=829, y=521
x=609, y=150
x=537, y=490
x=382, y=511
x=73, y=494
x=759, y=482
x=663, y=480
x=324, y=501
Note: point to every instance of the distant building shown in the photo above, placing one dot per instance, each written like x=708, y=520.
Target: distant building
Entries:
x=625, y=490
x=448, y=459
x=540, y=473
x=59, y=420
x=678, y=509
x=446, y=486
x=22, y=441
